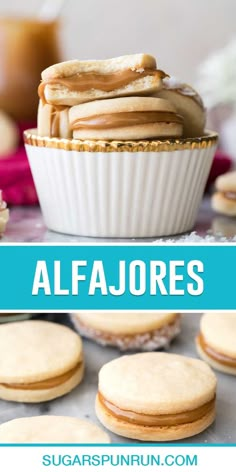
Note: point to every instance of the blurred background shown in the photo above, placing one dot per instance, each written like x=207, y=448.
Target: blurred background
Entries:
x=193, y=40
x=181, y=34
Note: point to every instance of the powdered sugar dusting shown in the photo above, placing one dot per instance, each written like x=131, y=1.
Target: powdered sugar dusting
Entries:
x=196, y=238
x=172, y=83
x=140, y=69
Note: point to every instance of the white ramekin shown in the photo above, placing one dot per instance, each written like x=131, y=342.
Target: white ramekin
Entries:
x=120, y=189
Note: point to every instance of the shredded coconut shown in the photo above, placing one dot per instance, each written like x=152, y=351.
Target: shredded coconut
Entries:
x=149, y=341
x=140, y=69
x=171, y=83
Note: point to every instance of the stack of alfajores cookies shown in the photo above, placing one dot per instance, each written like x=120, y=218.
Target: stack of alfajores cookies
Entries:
x=124, y=98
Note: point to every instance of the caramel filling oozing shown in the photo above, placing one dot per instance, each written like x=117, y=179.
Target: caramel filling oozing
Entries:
x=82, y=82
x=123, y=119
x=55, y=124
x=230, y=195
x=44, y=384
x=157, y=420
x=216, y=356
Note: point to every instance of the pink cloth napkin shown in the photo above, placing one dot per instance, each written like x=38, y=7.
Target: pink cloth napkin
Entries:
x=16, y=179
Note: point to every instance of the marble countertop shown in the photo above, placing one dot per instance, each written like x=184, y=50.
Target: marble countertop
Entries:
x=80, y=402
x=26, y=225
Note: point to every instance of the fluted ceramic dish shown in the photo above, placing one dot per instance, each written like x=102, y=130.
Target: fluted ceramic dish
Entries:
x=128, y=189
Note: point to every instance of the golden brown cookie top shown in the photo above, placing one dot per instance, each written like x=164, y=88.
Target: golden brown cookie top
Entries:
x=157, y=383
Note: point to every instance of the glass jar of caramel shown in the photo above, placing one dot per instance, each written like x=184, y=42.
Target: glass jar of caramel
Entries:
x=27, y=46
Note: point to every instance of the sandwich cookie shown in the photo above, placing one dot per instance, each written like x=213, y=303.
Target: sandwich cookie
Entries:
x=145, y=331
x=216, y=342
x=223, y=226
x=224, y=200
x=156, y=396
x=188, y=104
x=125, y=118
x=51, y=429
x=72, y=82
x=39, y=361
x=53, y=122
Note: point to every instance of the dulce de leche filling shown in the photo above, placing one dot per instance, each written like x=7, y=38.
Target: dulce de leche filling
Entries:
x=230, y=195
x=82, y=82
x=55, y=123
x=123, y=119
x=157, y=420
x=44, y=384
x=216, y=356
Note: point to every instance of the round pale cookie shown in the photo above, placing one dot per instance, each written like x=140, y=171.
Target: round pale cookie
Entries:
x=144, y=331
x=9, y=135
x=188, y=104
x=136, y=133
x=39, y=361
x=221, y=204
x=122, y=76
x=101, y=66
x=102, y=119
x=223, y=226
x=51, y=429
x=216, y=342
x=226, y=182
x=156, y=396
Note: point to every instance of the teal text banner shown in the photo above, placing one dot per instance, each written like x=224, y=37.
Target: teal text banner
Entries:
x=145, y=277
